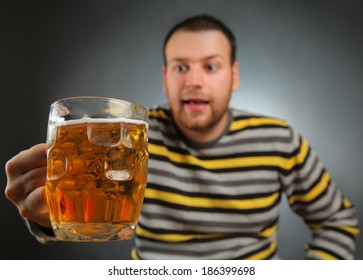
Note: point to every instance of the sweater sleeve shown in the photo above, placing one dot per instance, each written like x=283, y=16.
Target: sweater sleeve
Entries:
x=42, y=234
x=313, y=194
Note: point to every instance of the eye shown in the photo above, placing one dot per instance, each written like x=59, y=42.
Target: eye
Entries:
x=212, y=67
x=180, y=68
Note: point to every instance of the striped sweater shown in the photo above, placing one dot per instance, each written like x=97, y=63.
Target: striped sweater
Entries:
x=221, y=200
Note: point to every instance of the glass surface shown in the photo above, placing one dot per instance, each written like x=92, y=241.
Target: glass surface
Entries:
x=96, y=168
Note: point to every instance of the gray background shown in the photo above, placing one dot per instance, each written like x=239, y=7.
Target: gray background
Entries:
x=299, y=60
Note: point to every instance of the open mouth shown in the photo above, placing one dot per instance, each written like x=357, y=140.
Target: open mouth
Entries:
x=195, y=105
x=195, y=102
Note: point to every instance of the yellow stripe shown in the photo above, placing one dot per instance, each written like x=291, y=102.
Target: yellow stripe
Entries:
x=269, y=231
x=281, y=162
x=352, y=230
x=346, y=203
x=314, y=226
x=254, y=203
x=173, y=237
x=313, y=193
x=158, y=114
x=325, y=255
x=241, y=124
x=134, y=255
x=264, y=254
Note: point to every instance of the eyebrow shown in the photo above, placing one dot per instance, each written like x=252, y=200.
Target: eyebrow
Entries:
x=181, y=59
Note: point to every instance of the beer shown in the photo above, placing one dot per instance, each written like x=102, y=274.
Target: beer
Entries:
x=96, y=177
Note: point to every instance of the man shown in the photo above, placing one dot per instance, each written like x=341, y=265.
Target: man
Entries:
x=216, y=174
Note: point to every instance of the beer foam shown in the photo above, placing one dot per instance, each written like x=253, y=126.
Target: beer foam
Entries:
x=86, y=120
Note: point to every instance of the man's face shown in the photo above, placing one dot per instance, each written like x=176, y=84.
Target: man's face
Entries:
x=199, y=78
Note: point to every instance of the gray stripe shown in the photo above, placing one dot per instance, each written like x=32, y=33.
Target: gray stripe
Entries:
x=252, y=137
x=151, y=215
x=325, y=206
x=344, y=218
x=214, y=189
x=203, y=250
x=206, y=174
x=254, y=140
x=304, y=178
x=205, y=181
x=201, y=223
x=333, y=246
x=231, y=148
x=201, y=181
x=342, y=241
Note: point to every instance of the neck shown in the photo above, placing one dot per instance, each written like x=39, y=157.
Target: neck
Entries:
x=207, y=134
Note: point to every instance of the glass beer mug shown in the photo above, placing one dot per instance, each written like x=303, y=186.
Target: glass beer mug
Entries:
x=97, y=162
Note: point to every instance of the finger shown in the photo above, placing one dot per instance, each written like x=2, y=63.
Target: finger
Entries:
x=34, y=179
x=26, y=160
x=18, y=188
x=36, y=201
x=35, y=207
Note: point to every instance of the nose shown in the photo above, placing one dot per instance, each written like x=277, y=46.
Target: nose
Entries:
x=195, y=77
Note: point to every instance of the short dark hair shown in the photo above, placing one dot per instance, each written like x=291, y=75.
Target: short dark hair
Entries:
x=203, y=23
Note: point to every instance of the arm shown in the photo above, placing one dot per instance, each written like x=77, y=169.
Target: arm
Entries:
x=314, y=196
x=26, y=173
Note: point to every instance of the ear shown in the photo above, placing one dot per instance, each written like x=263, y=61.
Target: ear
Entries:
x=235, y=75
x=163, y=72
